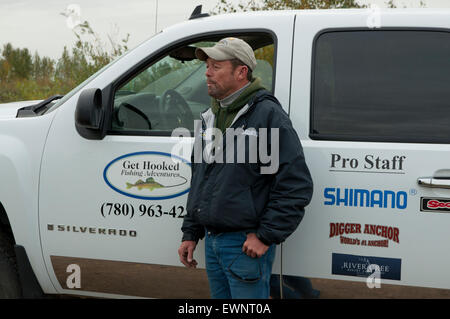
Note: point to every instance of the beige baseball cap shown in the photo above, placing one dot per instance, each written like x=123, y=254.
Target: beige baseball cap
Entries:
x=228, y=49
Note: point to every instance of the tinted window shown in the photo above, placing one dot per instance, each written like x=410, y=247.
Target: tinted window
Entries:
x=382, y=86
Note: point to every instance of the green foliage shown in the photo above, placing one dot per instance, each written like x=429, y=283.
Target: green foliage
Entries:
x=27, y=77
x=15, y=63
x=226, y=6
x=393, y=4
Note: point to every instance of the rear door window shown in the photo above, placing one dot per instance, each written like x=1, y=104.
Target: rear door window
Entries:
x=384, y=85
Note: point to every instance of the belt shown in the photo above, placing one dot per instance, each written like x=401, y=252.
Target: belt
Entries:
x=214, y=231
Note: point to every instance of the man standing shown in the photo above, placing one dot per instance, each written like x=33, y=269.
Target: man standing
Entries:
x=242, y=208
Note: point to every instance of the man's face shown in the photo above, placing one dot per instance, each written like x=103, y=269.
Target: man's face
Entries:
x=221, y=78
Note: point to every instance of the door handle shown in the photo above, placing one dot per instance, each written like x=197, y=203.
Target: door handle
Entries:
x=434, y=182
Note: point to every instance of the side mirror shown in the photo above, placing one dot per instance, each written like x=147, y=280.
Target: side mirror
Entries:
x=89, y=114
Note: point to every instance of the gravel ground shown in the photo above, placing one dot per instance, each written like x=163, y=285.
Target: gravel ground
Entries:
x=340, y=289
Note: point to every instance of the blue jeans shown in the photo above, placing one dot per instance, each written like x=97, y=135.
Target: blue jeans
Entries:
x=233, y=274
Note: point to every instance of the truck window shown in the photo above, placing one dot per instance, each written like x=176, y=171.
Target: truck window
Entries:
x=171, y=92
x=383, y=85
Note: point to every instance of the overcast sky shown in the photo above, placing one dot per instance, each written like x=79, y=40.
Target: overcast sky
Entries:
x=39, y=26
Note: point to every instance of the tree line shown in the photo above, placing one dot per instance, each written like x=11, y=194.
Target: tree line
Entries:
x=26, y=76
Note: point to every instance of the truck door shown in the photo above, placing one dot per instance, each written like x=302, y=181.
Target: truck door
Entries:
x=373, y=114
x=111, y=210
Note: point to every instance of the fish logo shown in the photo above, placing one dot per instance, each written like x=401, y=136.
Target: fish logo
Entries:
x=149, y=183
x=153, y=176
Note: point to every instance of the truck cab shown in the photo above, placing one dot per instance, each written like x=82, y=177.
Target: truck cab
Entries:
x=95, y=184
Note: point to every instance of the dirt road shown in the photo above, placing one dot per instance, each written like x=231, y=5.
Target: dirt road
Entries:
x=339, y=289
x=159, y=281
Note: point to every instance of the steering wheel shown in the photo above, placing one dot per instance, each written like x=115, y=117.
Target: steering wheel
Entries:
x=177, y=109
x=134, y=110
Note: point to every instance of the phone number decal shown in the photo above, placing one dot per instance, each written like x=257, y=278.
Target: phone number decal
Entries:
x=143, y=210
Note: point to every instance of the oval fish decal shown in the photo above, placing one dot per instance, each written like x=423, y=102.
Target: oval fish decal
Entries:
x=149, y=175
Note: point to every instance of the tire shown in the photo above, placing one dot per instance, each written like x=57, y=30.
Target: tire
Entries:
x=9, y=278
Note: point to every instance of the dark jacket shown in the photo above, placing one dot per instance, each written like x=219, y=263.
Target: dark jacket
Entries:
x=235, y=196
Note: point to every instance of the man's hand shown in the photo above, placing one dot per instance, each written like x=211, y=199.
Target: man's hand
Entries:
x=253, y=247
x=186, y=253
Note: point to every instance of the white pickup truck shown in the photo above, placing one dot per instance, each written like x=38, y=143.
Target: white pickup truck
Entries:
x=92, y=196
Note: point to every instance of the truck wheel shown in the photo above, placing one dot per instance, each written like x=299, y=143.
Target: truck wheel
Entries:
x=9, y=277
